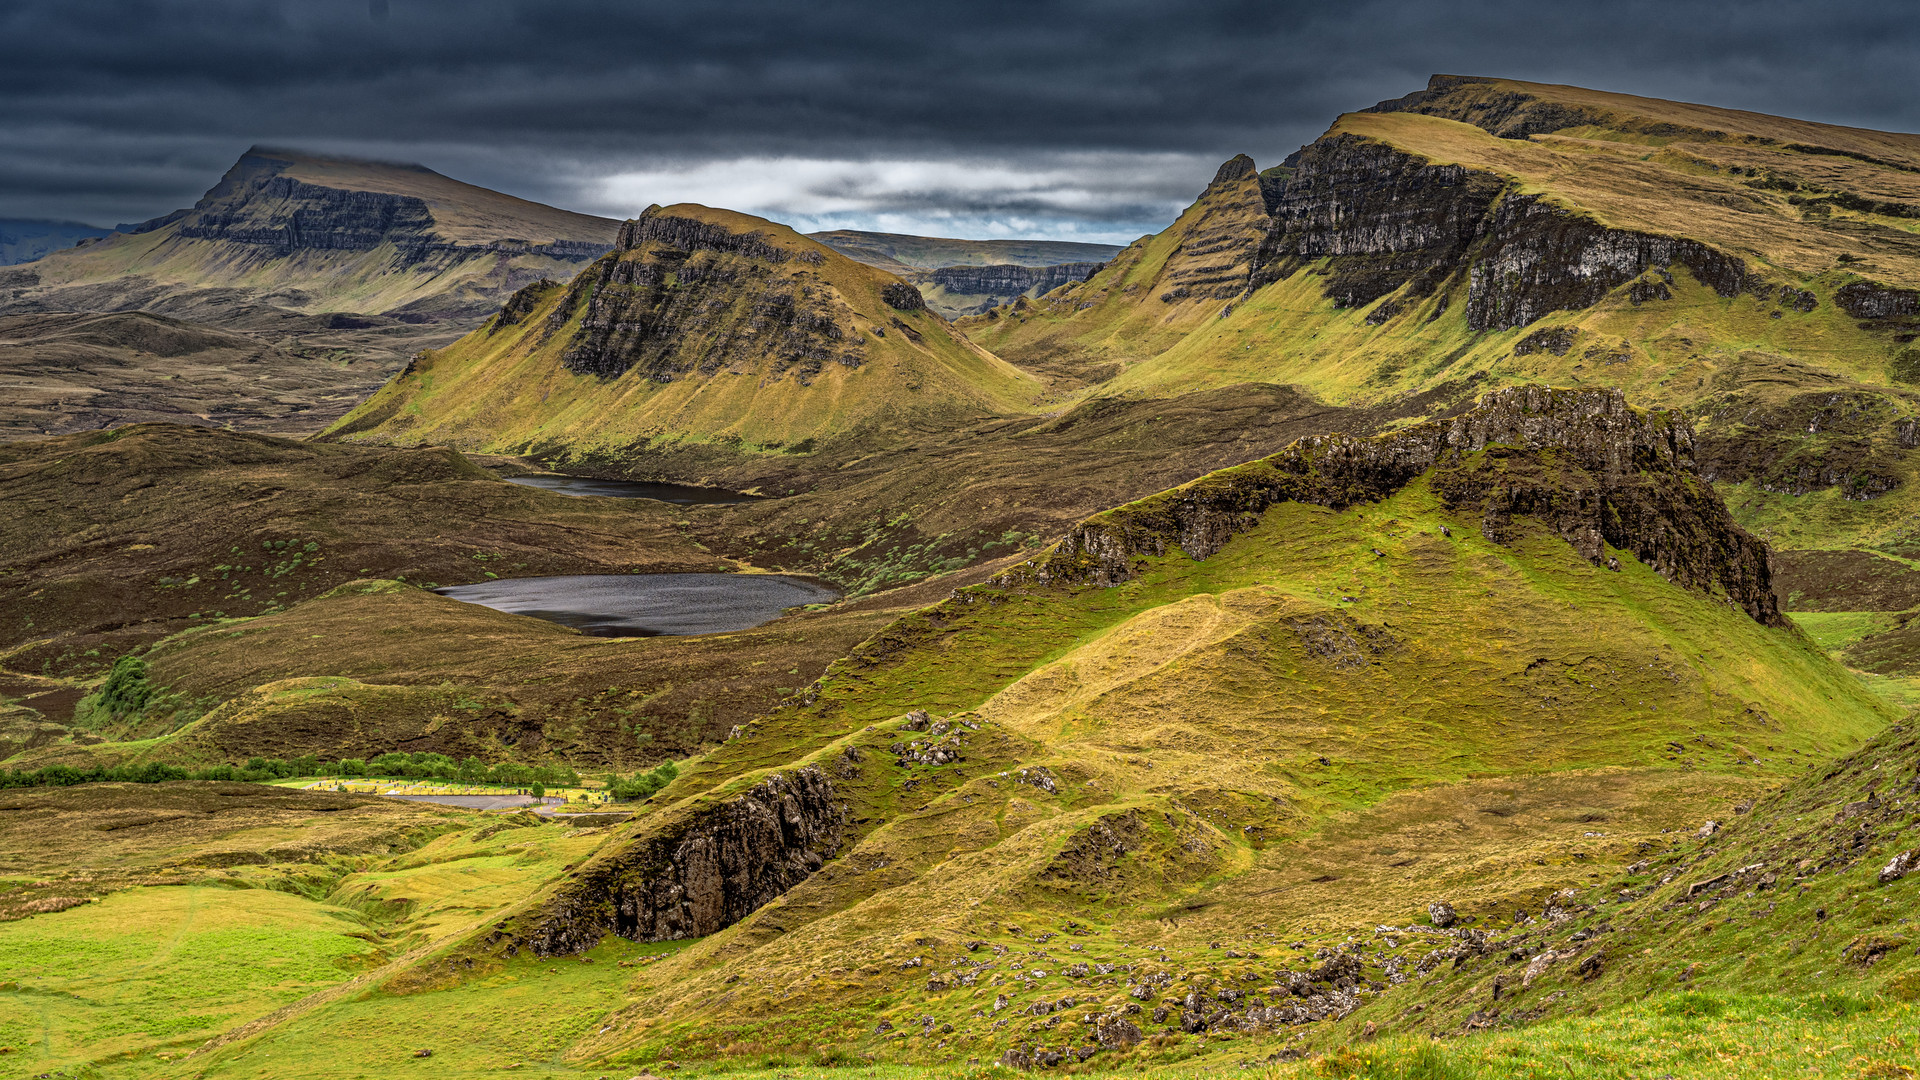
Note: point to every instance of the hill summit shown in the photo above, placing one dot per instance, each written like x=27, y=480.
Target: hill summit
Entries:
x=702, y=325
x=308, y=233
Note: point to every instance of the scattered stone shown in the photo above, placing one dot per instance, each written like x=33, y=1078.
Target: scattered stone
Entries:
x=423, y=1053
x=1903, y=864
x=1538, y=966
x=1709, y=829
x=1699, y=887
x=1867, y=949
x=1115, y=1033
x=1442, y=914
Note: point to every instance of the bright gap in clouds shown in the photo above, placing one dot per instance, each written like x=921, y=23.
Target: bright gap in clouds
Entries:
x=1111, y=198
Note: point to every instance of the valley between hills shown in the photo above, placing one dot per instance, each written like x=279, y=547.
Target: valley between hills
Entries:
x=1443, y=607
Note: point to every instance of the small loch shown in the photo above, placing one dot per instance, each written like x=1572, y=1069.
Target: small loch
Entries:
x=647, y=605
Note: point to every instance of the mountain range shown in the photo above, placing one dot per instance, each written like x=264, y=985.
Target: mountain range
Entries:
x=27, y=240
x=1442, y=607
x=965, y=277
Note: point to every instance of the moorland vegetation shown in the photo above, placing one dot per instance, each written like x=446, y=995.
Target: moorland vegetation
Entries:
x=1442, y=608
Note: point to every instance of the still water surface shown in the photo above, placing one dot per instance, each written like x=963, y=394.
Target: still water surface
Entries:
x=646, y=605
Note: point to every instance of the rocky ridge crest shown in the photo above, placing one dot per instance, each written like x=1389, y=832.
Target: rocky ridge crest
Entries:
x=1598, y=472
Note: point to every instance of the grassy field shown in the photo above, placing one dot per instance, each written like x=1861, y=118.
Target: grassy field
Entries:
x=174, y=949
x=1297, y=743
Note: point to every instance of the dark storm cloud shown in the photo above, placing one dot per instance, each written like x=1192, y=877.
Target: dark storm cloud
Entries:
x=1071, y=118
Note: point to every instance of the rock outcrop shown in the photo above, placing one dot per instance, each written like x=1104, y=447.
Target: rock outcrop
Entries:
x=1537, y=258
x=1221, y=237
x=1385, y=219
x=1850, y=439
x=1596, y=471
x=696, y=874
x=684, y=297
x=255, y=205
x=1007, y=279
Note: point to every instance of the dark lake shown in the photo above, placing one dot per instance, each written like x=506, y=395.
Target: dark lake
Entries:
x=646, y=605
x=634, y=489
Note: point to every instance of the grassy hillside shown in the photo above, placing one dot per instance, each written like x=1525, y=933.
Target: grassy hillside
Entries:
x=1175, y=795
x=307, y=234
x=1748, y=268
x=1272, y=744
x=705, y=327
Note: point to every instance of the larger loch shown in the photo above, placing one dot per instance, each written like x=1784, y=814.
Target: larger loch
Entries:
x=647, y=605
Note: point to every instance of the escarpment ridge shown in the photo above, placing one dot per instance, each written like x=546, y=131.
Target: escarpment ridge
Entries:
x=1752, y=270
x=1602, y=474
x=294, y=232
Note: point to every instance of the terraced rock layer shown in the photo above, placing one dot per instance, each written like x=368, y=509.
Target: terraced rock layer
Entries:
x=1601, y=473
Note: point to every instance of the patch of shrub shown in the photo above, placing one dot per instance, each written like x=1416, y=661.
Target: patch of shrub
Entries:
x=392, y=765
x=643, y=785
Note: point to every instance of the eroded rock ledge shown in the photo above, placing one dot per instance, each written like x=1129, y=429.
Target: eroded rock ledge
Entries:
x=681, y=298
x=695, y=876
x=1386, y=219
x=1595, y=470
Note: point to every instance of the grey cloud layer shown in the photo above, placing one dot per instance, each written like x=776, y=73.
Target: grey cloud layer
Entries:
x=119, y=110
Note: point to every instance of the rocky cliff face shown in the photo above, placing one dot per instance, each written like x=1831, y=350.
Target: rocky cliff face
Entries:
x=1386, y=219
x=1008, y=279
x=682, y=297
x=1538, y=258
x=256, y=206
x=1221, y=237
x=1596, y=471
x=696, y=875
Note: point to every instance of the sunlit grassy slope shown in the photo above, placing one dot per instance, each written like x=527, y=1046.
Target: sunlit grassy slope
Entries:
x=1272, y=734
x=506, y=388
x=1334, y=719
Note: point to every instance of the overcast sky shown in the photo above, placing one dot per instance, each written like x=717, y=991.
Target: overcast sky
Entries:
x=1073, y=120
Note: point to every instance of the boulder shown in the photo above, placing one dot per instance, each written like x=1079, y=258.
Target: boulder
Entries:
x=1115, y=1033
x=1900, y=866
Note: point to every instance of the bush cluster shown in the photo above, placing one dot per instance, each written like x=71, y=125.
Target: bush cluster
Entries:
x=391, y=766
x=643, y=784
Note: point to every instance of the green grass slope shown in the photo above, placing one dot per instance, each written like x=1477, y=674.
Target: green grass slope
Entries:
x=1359, y=699
x=705, y=327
